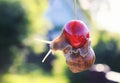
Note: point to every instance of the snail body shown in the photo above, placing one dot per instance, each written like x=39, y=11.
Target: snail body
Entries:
x=75, y=43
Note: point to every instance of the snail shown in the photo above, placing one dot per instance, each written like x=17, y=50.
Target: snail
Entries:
x=75, y=43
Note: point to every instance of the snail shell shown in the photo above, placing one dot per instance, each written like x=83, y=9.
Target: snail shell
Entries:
x=79, y=59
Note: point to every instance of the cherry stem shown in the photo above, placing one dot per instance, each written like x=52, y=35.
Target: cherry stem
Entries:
x=46, y=55
x=75, y=17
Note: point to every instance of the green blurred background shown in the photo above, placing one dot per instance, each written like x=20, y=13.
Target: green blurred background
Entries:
x=22, y=21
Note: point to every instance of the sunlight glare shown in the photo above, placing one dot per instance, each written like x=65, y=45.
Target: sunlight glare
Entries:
x=109, y=18
x=100, y=67
x=113, y=76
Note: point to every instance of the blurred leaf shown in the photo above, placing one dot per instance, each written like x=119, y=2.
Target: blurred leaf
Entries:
x=107, y=50
x=13, y=29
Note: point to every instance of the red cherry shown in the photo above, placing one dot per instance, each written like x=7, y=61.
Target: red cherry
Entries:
x=76, y=32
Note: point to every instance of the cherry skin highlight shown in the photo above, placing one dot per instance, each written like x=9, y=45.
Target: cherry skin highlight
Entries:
x=76, y=32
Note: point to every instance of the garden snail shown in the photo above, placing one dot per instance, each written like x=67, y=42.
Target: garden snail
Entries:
x=75, y=43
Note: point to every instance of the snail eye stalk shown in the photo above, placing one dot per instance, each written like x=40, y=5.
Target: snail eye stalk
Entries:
x=46, y=55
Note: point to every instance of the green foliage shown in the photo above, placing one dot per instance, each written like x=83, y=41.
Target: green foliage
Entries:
x=38, y=26
x=107, y=50
x=13, y=24
x=20, y=23
x=13, y=29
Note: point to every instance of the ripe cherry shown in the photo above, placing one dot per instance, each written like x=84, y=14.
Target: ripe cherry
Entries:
x=76, y=32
